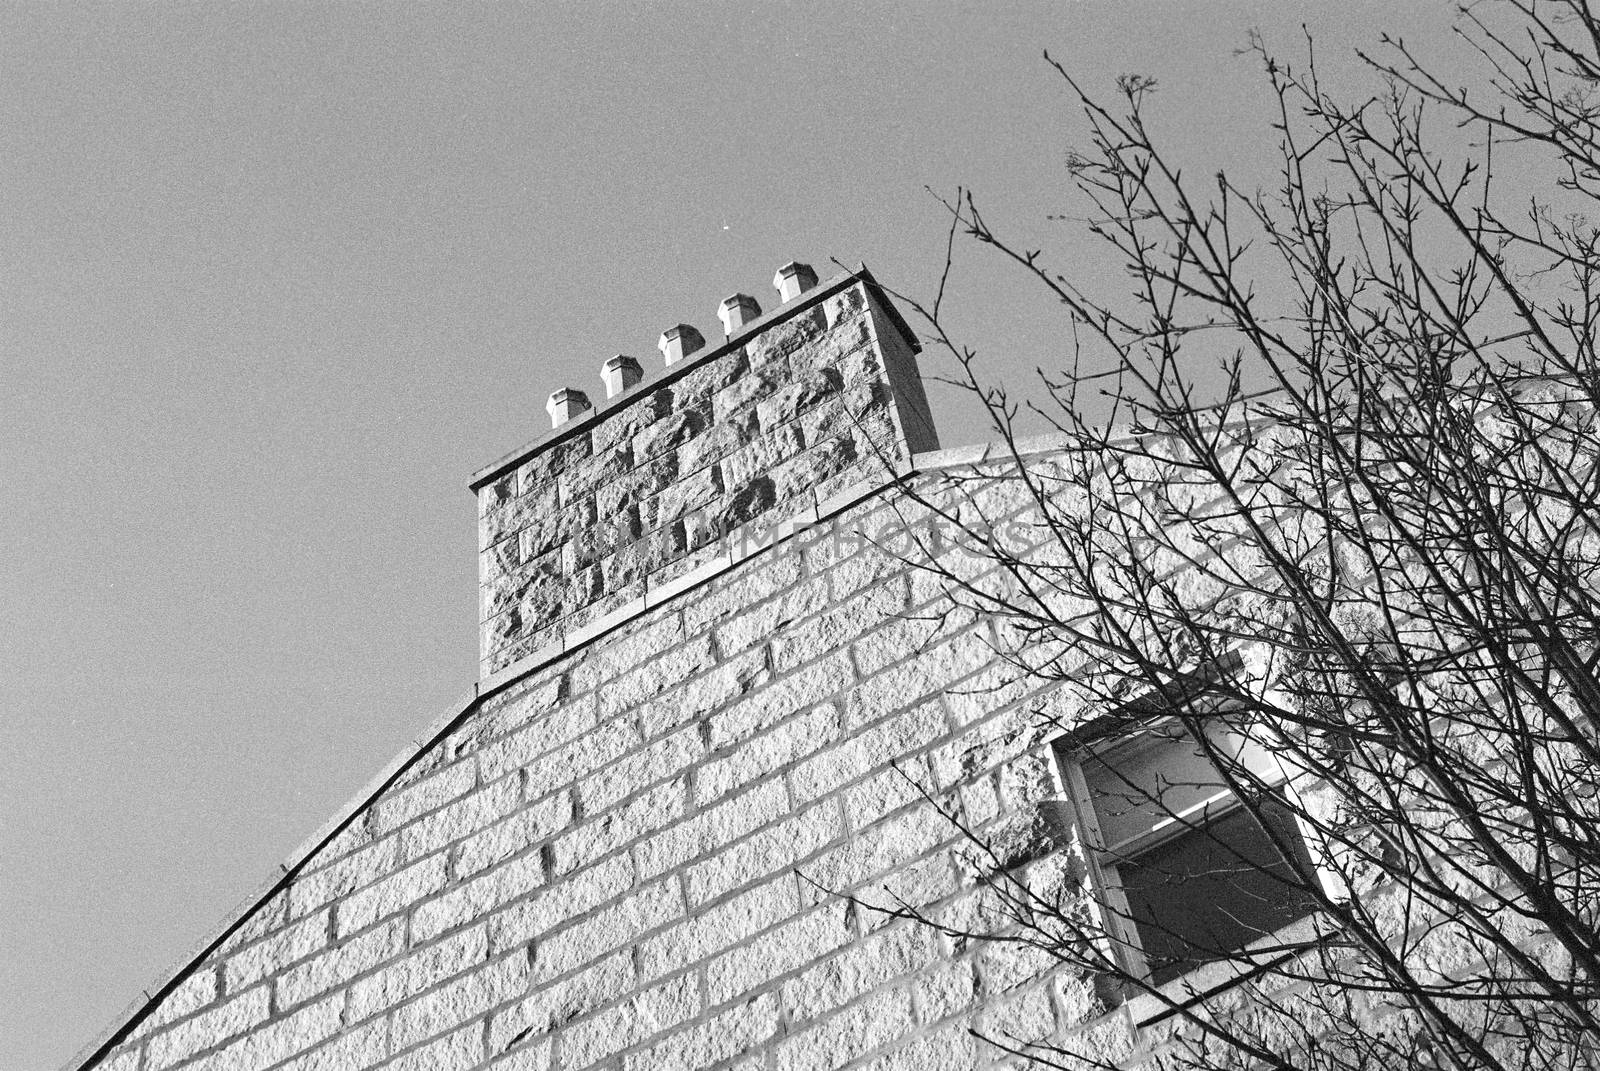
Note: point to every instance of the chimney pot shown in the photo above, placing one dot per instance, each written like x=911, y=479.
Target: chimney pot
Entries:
x=736, y=311
x=794, y=279
x=619, y=373
x=565, y=404
x=678, y=341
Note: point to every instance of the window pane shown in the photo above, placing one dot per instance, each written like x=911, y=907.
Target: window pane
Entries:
x=1141, y=784
x=1208, y=892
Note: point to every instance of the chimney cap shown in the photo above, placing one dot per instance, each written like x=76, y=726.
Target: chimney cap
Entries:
x=678, y=341
x=794, y=279
x=566, y=403
x=737, y=310
x=619, y=373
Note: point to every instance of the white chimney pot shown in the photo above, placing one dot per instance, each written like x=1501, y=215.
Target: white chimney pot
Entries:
x=678, y=341
x=736, y=311
x=794, y=279
x=619, y=373
x=565, y=404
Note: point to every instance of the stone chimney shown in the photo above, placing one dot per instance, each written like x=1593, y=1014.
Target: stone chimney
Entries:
x=817, y=396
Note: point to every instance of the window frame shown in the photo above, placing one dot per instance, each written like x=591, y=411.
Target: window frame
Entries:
x=1122, y=943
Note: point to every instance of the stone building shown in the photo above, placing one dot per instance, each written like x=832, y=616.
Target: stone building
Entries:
x=715, y=725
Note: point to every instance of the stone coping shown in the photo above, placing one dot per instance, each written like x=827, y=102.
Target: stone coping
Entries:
x=648, y=385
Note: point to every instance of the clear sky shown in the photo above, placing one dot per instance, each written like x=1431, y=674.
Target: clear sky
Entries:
x=275, y=279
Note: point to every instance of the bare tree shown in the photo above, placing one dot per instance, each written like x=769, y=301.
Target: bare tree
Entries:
x=1336, y=609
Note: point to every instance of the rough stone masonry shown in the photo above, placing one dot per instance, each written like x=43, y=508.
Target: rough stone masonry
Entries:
x=715, y=731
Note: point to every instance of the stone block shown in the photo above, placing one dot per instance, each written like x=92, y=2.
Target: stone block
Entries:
x=711, y=1041
x=266, y=957
x=909, y=682
x=403, y=978
x=454, y=1052
x=871, y=852
x=631, y=690
x=951, y=1048
x=773, y=850
x=561, y=525
x=744, y=392
x=560, y=768
x=276, y=1041
x=339, y=965
x=476, y=898
x=856, y=1030
x=776, y=953
x=620, y=826
x=632, y=488
x=664, y=758
x=760, y=456
x=700, y=385
x=497, y=492
x=857, y=406
x=589, y=476
x=720, y=439
x=568, y=898
x=859, y=967
x=559, y=1003
x=741, y=589
x=636, y=1019
x=766, y=707
x=788, y=403
x=748, y=501
x=712, y=930
x=838, y=624
x=313, y=889
x=773, y=620
x=190, y=995
x=229, y=1020
x=452, y=1005
x=398, y=808
x=532, y=824
x=620, y=426
x=845, y=305
x=561, y=725
x=832, y=349
x=945, y=989
x=393, y=894
x=1018, y=1020
x=885, y=791
x=514, y=514
x=645, y=555
x=788, y=336
x=504, y=595
x=619, y=528
x=456, y=820
x=363, y=1046
x=528, y=1056
x=607, y=930
x=669, y=433
x=712, y=829
x=544, y=469
x=815, y=467
x=767, y=754
x=697, y=491
x=498, y=560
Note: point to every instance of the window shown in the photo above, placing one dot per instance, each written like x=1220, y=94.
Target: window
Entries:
x=1189, y=874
